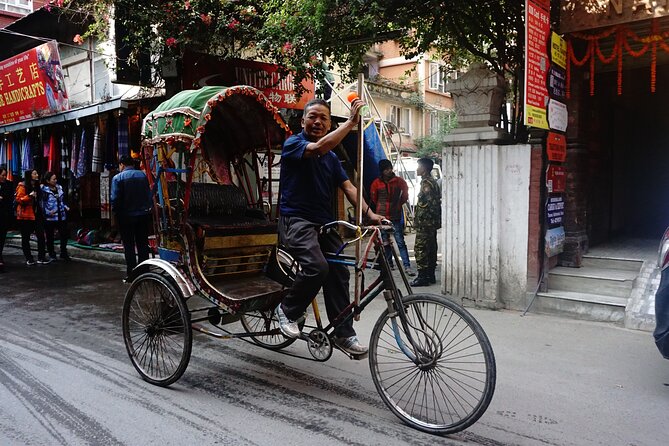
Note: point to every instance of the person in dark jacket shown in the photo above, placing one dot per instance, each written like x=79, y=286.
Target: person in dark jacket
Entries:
x=427, y=220
x=6, y=209
x=131, y=202
x=55, y=215
x=30, y=218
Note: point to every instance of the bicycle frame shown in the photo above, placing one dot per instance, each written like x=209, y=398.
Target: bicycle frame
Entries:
x=384, y=283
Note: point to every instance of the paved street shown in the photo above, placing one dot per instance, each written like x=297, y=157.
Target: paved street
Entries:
x=65, y=378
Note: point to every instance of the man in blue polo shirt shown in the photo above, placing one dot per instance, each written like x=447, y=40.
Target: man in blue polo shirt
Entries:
x=131, y=202
x=310, y=176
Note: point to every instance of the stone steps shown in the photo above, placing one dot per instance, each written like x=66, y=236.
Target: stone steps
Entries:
x=598, y=291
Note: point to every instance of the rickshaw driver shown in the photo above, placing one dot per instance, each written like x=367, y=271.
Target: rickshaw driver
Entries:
x=310, y=174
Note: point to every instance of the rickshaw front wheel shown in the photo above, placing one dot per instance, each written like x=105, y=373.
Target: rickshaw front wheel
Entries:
x=435, y=369
x=156, y=329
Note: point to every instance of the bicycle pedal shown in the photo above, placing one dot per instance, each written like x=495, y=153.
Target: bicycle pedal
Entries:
x=359, y=357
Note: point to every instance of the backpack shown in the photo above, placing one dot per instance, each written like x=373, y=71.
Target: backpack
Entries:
x=15, y=205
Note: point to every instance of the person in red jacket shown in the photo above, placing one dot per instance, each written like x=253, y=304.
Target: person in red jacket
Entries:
x=388, y=193
x=30, y=218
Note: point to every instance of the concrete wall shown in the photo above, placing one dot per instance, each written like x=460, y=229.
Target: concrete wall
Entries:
x=485, y=223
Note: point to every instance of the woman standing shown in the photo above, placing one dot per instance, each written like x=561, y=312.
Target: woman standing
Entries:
x=55, y=215
x=30, y=218
x=6, y=209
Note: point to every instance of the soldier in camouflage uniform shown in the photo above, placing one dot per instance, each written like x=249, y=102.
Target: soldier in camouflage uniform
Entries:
x=427, y=219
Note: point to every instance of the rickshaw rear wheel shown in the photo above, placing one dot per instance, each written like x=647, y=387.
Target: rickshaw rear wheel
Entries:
x=156, y=329
x=263, y=321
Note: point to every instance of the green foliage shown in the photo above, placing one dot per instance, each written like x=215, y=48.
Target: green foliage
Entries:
x=298, y=35
x=431, y=145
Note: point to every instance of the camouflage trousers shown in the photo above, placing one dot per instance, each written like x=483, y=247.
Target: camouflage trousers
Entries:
x=425, y=248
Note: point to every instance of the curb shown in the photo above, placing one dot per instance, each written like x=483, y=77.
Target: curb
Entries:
x=77, y=252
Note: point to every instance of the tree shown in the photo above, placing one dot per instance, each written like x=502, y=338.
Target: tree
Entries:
x=299, y=35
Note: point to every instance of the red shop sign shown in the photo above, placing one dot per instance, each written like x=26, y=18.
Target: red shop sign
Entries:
x=32, y=84
x=203, y=69
x=556, y=147
x=556, y=179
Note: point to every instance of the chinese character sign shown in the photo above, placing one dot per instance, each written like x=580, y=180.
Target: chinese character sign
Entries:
x=537, y=33
x=32, y=84
x=204, y=70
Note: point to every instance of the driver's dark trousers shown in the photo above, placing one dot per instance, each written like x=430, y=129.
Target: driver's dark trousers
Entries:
x=301, y=239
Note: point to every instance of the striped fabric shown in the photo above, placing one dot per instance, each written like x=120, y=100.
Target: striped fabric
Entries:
x=64, y=155
x=74, y=151
x=97, y=159
x=123, y=136
x=26, y=154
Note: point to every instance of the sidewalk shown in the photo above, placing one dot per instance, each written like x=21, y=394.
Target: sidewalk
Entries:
x=76, y=251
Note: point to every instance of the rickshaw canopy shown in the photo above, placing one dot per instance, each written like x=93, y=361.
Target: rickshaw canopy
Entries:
x=238, y=119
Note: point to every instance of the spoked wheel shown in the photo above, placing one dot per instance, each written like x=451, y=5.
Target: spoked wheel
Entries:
x=156, y=329
x=263, y=321
x=443, y=383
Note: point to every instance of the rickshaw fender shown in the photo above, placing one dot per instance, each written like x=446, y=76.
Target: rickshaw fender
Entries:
x=161, y=265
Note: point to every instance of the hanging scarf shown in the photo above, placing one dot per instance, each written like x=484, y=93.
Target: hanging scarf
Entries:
x=7, y=148
x=82, y=158
x=3, y=153
x=53, y=153
x=64, y=154
x=74, y=154
x=111, y=142
x=16, y=156
x=26, y=154
x=123, y=136
x=97, y=147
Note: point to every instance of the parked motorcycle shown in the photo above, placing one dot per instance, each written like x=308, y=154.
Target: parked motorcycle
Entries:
x=661, y=333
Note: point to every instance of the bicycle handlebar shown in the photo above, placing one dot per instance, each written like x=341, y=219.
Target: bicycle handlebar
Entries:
x=385, y=225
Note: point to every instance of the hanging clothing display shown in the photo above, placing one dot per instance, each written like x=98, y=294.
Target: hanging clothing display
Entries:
x=123, y=136
x=64, y=155
x=74, y=151
x=97, y=159
x=82, y=157
x=111, y=143
x=16, y=156
x=53, y=163
x=3, y=153
x=105, y=200
x=26, y=154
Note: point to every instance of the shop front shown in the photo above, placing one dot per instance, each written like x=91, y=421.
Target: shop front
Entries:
x=616, y=167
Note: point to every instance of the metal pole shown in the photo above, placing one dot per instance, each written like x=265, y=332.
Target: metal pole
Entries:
x=358, y=210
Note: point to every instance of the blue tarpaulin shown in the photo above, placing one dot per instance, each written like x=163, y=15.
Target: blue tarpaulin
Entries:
x=372, y=154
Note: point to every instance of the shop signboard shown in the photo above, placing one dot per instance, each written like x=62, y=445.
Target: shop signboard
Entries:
x=555, y=210
x=556, y=179
x=558, y=50
x=32, y=84
x=556, y=147
x=557, y=82
x=280, y=90
x=537, y=33
x=557, y=115
x=555, y=241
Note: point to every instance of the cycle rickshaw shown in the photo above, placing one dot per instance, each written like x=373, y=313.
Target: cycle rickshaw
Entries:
x=209, y=155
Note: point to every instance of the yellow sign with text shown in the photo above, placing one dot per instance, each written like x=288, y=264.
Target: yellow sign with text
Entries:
x=558, y=50
x=536, y=117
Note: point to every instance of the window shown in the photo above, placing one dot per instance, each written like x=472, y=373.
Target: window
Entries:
x=437, y=78
x=435, y=123
x=401, y=117
x=17, y=6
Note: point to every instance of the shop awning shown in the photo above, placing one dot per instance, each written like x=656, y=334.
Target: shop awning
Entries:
x=69, y=115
